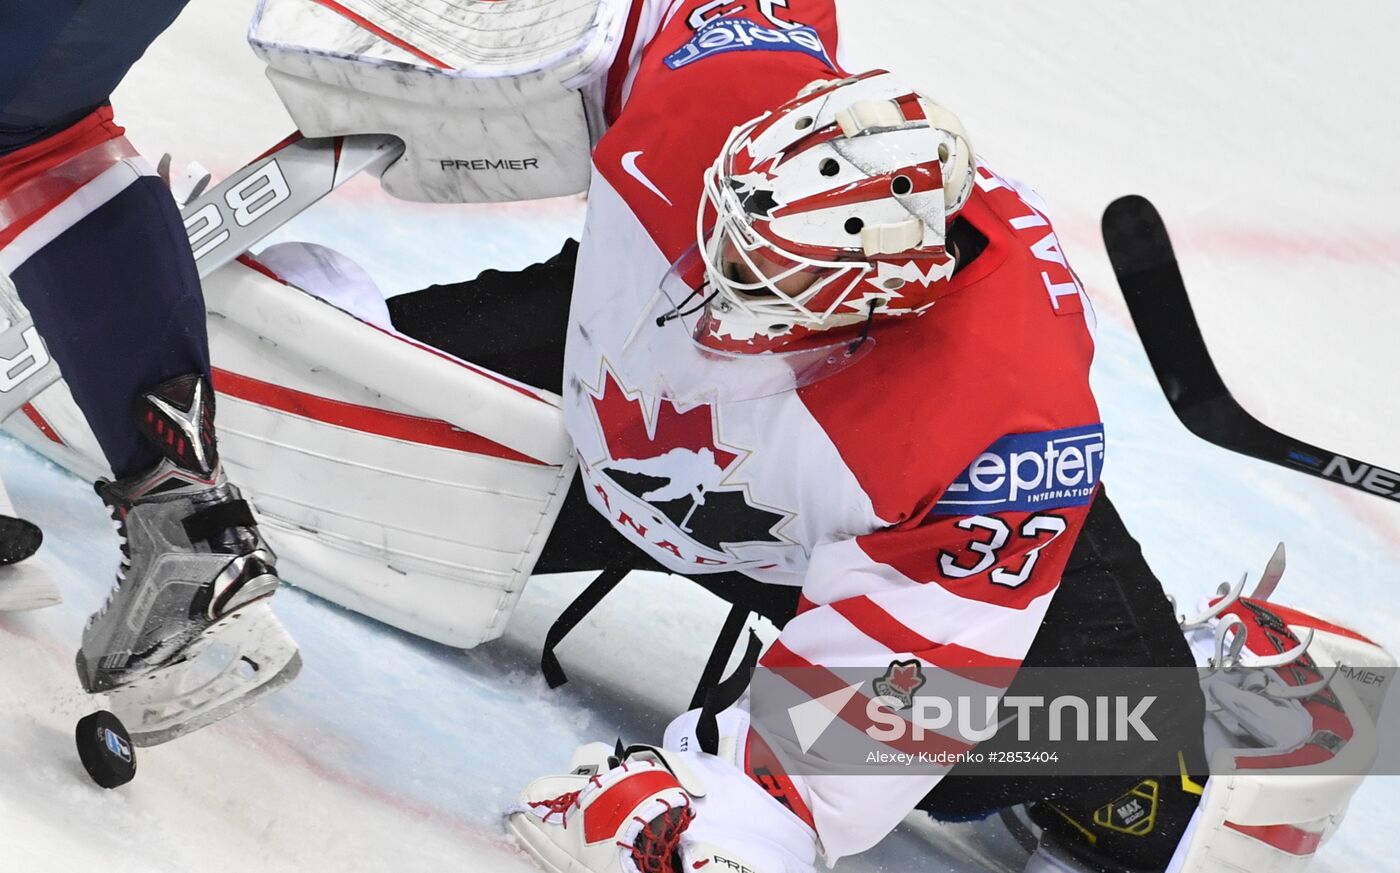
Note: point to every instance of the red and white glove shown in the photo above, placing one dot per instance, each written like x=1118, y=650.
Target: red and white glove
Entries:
x=649, y=810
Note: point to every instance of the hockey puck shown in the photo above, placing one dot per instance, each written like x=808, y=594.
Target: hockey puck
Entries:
x=105, y=749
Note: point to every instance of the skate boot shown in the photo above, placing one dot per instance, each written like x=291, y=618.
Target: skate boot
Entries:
x=26, y=586
x=187, y=636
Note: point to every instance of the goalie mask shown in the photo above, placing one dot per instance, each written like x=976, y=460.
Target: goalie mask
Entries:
x=821, y=220
x=831, y=212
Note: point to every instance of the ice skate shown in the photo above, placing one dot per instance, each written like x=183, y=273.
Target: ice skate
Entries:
x=24, y=584
x=187, y=636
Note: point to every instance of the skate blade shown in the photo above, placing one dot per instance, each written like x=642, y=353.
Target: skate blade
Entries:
x=27, y=586
x=241, y=658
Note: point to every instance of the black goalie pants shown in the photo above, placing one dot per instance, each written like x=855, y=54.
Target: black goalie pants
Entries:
x=1110, y=611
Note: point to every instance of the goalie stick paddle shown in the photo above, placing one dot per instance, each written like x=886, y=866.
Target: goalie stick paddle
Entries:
x=1142, y=257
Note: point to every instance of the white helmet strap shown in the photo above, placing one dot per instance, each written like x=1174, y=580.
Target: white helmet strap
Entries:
x=891, y=239
x=866, y=115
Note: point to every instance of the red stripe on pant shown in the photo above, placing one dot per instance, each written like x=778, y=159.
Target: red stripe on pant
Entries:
x=37, y=160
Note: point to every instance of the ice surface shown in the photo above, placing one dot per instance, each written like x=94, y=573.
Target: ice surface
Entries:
x=1263, y=130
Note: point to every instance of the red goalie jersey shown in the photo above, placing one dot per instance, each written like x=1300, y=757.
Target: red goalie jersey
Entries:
x=926, y=498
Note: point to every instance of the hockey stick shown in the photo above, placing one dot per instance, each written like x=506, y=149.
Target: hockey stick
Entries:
x=1142, y=256
x=230, y=218
x=222, y=223
x=25, y=365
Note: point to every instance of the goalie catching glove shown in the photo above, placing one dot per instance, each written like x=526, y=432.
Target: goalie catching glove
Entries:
x=650, y=810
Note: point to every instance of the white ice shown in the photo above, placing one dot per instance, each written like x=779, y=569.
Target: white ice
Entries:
x=1265, y=132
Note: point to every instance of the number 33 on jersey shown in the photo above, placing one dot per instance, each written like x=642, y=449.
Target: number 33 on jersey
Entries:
x=1023, y=497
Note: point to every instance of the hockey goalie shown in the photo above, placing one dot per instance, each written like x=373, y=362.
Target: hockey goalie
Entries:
x=816, y=353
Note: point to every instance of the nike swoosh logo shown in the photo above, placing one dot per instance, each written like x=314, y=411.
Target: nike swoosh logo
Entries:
x=629, y=163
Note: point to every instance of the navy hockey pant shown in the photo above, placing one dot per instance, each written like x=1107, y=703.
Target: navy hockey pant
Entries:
x=61, y=58
x=104, y=267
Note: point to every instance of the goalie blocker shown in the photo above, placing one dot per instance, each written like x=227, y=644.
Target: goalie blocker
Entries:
x=489, y=99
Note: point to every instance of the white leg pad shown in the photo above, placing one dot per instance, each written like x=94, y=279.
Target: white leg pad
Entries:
x=1283, y=770
x=389, y=477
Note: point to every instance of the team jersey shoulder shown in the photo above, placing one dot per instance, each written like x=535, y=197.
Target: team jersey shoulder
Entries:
x=999, y=364
x=707, y=68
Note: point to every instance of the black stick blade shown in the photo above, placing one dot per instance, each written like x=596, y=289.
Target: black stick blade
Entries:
x=1145, y=264
x=1142, y=257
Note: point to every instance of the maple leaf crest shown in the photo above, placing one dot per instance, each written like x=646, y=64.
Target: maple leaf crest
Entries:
x=901, y=681
x=673, y=461
x=631, y=436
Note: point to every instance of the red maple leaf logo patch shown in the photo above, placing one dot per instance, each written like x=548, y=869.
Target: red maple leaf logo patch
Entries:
x=673, y=462
x=630, y=436
x=901, y=680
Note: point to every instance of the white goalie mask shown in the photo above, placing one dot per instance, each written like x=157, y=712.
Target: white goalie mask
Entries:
x=829, y=212
x=822, y=220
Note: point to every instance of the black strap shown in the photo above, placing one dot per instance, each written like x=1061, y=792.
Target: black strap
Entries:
x=209, y=523
x=725, y=695
x=574, y=613
x=719, y=655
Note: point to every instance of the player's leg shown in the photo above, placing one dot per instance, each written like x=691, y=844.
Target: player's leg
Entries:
x=97, y=251
x=1107, y=824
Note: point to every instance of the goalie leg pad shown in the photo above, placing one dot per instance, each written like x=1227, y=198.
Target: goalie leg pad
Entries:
x=391, y=478
x=1290, y=737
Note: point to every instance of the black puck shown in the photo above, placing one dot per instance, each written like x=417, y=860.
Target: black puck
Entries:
x=105, y=749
